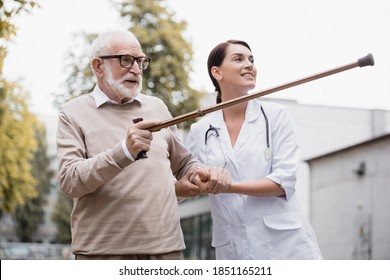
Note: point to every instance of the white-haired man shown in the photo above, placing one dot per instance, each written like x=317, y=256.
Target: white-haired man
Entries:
x=125, y=208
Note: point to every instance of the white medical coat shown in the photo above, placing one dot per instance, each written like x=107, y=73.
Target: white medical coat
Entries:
x=251, y=227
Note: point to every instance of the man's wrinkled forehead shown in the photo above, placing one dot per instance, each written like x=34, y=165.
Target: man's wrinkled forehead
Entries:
x=120, y=43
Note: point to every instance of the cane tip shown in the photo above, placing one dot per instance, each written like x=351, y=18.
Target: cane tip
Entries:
x=368, y=60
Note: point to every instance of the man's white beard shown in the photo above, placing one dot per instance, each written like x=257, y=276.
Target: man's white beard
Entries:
x=118, y=87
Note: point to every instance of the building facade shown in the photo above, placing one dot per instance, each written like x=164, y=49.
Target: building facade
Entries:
x=350, y=190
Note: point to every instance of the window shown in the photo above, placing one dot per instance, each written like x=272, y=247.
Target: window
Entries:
x=197, y=236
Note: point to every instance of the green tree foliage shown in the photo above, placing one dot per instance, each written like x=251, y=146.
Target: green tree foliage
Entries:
x=162, y=38
x=60, y=216
x=80, y=79
x=17, y=145
x=8, y=10
x=17, y=142
x=30, y=215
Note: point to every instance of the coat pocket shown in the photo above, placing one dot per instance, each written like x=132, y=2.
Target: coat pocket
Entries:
x=222, y=236
x=287, y=238
x=223, y=243
x=284, y=221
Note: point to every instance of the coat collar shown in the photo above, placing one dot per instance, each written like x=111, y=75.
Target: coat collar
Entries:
x=252, y=113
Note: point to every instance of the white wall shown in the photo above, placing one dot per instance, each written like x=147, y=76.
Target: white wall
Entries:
x=350, y=213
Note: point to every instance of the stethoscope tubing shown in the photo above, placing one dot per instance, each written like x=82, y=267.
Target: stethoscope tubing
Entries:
x=268, y=151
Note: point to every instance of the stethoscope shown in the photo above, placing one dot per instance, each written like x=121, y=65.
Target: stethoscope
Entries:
x=268, y=151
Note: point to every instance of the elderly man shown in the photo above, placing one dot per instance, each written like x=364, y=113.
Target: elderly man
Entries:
x=125, y=207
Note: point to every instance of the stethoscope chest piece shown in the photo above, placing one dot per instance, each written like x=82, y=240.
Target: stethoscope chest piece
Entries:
x=268, y=153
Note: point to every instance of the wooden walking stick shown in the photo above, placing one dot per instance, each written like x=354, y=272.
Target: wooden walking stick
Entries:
x=364, y=61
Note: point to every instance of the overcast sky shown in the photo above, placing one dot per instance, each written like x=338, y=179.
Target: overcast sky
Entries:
x=289, y=39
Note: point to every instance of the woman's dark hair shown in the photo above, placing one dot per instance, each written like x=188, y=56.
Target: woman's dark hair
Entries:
x=216, y=57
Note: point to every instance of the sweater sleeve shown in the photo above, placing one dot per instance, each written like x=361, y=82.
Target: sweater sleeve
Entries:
x=77, y=174
x=181, y=158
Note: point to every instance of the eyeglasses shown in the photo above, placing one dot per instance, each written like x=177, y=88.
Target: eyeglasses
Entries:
x=127, y=61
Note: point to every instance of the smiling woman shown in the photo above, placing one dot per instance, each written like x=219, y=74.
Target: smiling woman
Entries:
x=258, y=217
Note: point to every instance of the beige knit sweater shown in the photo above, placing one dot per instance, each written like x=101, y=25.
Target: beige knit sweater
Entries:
x=120, y=206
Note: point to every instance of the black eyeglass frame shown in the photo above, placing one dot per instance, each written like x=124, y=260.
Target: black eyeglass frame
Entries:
x=140, y=60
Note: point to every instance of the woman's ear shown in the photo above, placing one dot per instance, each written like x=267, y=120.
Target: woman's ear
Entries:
x=216, y=72
x=97, y=66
